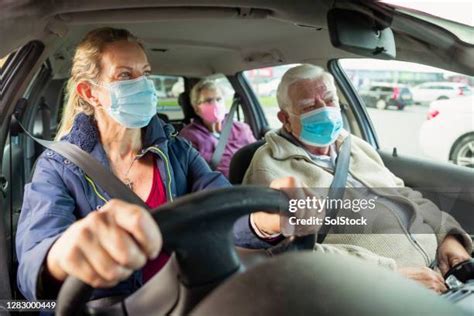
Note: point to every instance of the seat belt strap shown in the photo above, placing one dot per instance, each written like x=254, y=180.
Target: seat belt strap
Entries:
x=224, y=138
x=338, y=184
x=336, y=191
x=92, y=167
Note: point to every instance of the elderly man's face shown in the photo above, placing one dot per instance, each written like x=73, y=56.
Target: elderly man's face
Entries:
x=305, y=96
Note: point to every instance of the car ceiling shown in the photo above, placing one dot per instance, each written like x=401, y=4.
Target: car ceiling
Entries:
x=192, y=38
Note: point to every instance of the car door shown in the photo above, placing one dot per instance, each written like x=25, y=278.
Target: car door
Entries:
x=17, y=72
x=424, y=93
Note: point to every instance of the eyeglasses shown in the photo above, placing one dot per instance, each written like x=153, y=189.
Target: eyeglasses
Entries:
x=210, y=100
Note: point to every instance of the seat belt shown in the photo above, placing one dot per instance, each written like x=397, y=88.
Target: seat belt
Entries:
x=92, y=167
x=336, y=191
x=338, y=184
x=225, y=133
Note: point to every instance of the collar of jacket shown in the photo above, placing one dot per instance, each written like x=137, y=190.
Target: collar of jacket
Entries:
x=283, y=148
x=199, y=124
x=85, y=135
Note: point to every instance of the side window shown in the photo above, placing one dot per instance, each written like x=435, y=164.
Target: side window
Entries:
x=424, y=115
x=264, y=82
x=169, y=88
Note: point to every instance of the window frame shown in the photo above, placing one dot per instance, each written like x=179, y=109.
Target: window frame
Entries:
x=355, y=103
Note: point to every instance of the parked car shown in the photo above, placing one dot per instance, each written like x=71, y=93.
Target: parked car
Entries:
x=384, y=95
x=448, y=133
x=431, y=91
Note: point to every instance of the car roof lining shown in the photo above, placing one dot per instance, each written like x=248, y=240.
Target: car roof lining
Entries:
x=199, y=38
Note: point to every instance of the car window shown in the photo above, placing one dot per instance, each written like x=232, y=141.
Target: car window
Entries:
x=264, y=82
x=432, y=120
x=169, y=88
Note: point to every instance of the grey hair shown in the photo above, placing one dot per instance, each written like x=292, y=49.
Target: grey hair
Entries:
x=301, y=72
x=203, y=84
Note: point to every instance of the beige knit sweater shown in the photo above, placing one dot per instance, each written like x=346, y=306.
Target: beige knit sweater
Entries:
x=389, y=239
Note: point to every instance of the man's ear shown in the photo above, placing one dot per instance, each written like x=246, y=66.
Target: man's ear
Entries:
x=84, y=90
x=284, y=118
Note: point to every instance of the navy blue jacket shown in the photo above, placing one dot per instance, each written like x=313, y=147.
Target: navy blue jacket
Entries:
x=60, y=193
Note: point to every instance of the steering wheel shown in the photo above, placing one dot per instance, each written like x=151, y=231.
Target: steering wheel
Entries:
x=198, y=229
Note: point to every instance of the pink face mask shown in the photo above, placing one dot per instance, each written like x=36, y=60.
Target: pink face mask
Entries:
x=212, y=112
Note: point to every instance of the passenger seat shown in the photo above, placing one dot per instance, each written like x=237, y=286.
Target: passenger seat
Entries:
x=241, y=161
x=188, y=111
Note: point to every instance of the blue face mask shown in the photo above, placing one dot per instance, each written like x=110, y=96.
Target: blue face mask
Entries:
x=133, y=102
x=320, y=127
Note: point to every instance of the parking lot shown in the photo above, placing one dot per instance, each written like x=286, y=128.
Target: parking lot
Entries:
x=399, y=128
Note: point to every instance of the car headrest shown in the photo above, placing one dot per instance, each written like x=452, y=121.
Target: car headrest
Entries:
x=185, y=103
x=241, y=161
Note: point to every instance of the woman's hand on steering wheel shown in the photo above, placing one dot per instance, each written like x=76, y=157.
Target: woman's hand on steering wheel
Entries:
x=106, y=246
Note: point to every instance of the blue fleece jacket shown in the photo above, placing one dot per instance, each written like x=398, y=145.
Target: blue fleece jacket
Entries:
x=60, y=193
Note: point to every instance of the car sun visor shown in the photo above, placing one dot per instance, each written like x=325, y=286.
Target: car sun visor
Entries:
x=361, y=34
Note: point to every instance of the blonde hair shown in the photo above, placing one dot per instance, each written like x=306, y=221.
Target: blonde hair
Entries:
x=86, y=66
x=301, y=72
x=203, y=84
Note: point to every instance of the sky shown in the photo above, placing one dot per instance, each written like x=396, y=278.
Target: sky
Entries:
x=461, y=11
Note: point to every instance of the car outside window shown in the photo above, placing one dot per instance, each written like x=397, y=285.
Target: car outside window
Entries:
x=264, y=83
x=432, y=120
x=168, y=89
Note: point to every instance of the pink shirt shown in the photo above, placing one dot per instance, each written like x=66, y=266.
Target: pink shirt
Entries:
x=156, y=198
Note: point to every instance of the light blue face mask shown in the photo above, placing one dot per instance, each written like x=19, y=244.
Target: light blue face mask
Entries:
x=133, y=102
x=320, y=127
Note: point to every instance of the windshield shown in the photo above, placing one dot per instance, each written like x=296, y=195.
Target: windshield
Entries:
x=455, y=16
x=460, y=11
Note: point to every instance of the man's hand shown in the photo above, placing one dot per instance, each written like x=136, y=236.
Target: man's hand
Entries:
x=429, y=278
x=267, y=222
x=106, y=246
x=450, y=253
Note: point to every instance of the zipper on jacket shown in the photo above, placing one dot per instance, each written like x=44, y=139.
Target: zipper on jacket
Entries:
x=160, y=153
x=168, y=170
x=95, y=188
x=412, y=239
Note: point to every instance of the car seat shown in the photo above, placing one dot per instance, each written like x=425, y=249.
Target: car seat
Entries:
x=188, y=111
x=241, y=161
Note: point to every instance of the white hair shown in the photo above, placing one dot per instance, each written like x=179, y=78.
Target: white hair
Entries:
x=301, y=72
x=203, y=84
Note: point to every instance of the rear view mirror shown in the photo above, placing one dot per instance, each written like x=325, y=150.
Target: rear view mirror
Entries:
x=361, y=34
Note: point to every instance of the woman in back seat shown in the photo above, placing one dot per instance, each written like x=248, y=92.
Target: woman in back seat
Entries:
x=204, y=131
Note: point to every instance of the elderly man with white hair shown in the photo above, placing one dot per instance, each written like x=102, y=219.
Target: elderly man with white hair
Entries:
x=306, y=148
